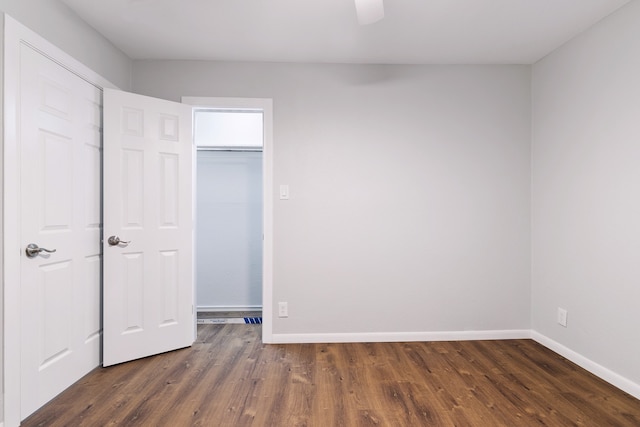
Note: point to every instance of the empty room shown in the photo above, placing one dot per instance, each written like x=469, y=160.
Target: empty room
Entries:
x=441, y=227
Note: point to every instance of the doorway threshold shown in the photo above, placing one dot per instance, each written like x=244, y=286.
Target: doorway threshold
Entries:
x=230, y=320
x=229, y=317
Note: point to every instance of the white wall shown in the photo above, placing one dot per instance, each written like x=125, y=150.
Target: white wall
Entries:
x=410, y=190
x=229, y=230
x=586, y=187
x=54, y=21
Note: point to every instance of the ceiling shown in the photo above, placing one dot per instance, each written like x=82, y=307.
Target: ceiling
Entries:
x=412, y=32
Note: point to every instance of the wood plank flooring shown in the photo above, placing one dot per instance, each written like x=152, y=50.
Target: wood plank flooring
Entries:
x=229, y=378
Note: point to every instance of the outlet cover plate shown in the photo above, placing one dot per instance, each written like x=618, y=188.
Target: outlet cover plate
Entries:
x=283, y=309
x=562, y=317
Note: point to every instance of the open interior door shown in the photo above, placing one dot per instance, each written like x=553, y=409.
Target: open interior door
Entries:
x=148, y=227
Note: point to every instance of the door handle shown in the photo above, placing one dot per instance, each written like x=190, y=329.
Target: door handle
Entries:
x=115, y=241
x=33, y=250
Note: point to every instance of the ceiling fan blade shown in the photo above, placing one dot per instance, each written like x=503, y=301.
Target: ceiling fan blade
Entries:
x=369, y=11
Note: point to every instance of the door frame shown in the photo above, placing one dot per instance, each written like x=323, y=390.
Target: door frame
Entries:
x=266, y=105
x=16, y=35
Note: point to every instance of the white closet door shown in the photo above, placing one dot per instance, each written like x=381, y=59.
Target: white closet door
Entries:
x=60, y=156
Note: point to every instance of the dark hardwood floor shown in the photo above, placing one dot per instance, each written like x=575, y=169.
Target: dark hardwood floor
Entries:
x=229, y=378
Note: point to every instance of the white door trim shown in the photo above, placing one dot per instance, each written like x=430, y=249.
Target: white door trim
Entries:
x=16, y=35
x=266, y=105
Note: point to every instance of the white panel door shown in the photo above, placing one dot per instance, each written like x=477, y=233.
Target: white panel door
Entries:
x=60, y=160
x=148, y=206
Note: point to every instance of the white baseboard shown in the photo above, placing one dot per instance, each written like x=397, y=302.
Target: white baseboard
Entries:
x=400, y=336
x=598, y=370
x=219, y=308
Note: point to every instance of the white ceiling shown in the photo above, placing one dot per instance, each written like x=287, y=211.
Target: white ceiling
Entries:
x=412, y=32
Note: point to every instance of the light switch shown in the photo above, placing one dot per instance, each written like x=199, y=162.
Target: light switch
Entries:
x=284, y=192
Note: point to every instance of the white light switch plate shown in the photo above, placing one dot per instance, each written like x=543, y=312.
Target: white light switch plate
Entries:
x=284, y=192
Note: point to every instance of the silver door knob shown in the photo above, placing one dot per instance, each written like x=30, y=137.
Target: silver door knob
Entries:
x=33, y=250
x=115, y=241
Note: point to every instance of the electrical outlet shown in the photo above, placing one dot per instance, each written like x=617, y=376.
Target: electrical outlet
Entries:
x=562, y=317
x=283, y=309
